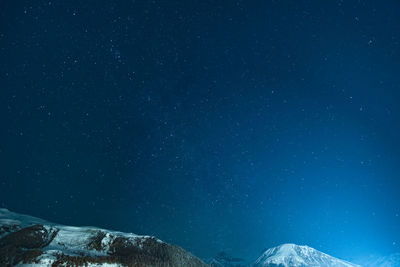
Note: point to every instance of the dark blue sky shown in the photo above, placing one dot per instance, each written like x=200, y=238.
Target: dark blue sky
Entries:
x=214, y=125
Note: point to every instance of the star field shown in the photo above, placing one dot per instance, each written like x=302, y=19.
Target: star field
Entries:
x=230, y=126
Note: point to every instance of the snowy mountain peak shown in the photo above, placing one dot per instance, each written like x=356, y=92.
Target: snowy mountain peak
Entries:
x=292, y=255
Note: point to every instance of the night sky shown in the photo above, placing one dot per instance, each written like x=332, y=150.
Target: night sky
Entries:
x=214, y=125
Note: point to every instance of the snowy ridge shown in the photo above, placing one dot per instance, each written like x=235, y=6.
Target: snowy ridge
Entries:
x=291, y=255
x=30, y=241
x=71, y=238
x=11, y=218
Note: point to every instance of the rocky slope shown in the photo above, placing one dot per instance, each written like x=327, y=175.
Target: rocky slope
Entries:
x=29, y=241
x=291, y=255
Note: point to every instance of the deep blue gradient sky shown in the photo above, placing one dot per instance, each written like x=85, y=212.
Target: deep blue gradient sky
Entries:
x=214, y=125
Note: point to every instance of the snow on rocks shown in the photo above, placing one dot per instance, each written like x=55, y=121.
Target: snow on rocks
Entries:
x=30, y=241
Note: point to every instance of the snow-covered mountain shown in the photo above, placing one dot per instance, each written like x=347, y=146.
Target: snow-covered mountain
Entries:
x=29, y=241
x=32, y=242
x=291, y=255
